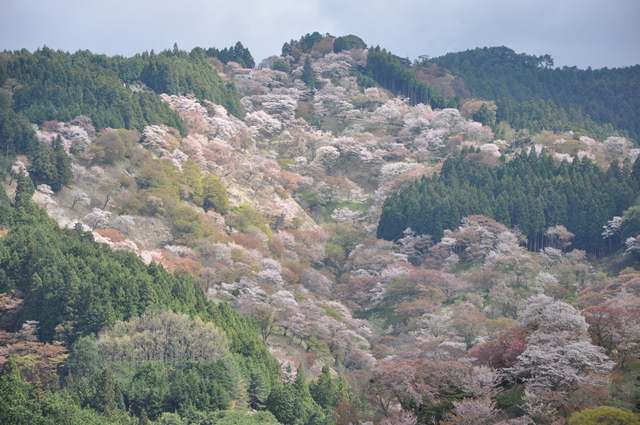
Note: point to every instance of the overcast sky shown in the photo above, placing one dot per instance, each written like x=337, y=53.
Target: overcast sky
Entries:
x=575, y=32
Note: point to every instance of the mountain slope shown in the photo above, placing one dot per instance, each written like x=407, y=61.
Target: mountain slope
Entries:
x=520, y=84
x=272, y=213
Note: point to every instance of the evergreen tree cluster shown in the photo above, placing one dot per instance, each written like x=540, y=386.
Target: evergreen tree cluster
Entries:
x=348, y=42
x=301, y=403
x=308, y=41
x=49, y=84
x=308, y=76
x=538, y=114
x=178, y=72
x=303, y=45
x=397, y=75
x=16, y=134
x=58, y=85
x=49, y=164
x=237, y=53
x=531, y=93
x=66, y=277
x=530, y=192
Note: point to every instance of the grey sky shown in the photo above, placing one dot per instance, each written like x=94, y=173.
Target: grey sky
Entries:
x=575, y=32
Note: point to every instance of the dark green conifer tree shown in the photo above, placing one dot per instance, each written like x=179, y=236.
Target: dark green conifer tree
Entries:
x=308, y=76
x=24, y=192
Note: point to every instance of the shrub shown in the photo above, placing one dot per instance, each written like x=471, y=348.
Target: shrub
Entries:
x=605, y=415
x=281, y=65
x=215, y=194
x=348, y=42
x=245, y=216
x=112, y=146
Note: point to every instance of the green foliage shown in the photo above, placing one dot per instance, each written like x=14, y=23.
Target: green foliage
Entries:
x=348, y=42
x=281, y=65
x=149, y=389
x=631, y=222
x=228, y=417
x=303, y=45
x=329, y=392
x=292, y=404
x=51, y=165
x=530, y=93
x=169, y=419
x=15, y=404
x=67, y=277
x=485, y=116
x=364, y=80
x=163, y=361
x=215, y=195
x=169, y=366
x=23, y=404
x=175, y=72
x=244, y=217
x=63, y=165
x=112, y=146
x=238, y=53
x=16, y=134
x=59, y=85
x=43, y=169
x=157, y=387
x=529, y=192
x=193, y=182
x=604, y=416
x=204, y=386
x=24, y=192
x=307, y=74
x=538, y=114
x=396, y=75
x=75, y=285
x=511, y=400
x=6, y=207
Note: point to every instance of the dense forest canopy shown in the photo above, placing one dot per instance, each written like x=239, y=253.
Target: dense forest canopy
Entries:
x=530, y=192
x=114, y=92
x=237, y=53
x=49, y=84
x=397, y=75
x=524, y=86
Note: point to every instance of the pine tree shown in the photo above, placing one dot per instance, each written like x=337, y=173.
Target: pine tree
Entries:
x=307, y=74
x=43, y=168
x=106, y=395
x=325, y=389
x=62, y=164
x=24, y=192
x=15, y=404
x=635, y=173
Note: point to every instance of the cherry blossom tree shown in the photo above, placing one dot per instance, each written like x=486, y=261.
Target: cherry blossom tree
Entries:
x=559, y=357
x=470, y=411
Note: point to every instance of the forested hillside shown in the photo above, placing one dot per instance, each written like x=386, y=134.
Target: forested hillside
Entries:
x=162, y=349
x=531, y=93
x=529, y=192
x=323, y=238
x=396, y=75
x=48, y=84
